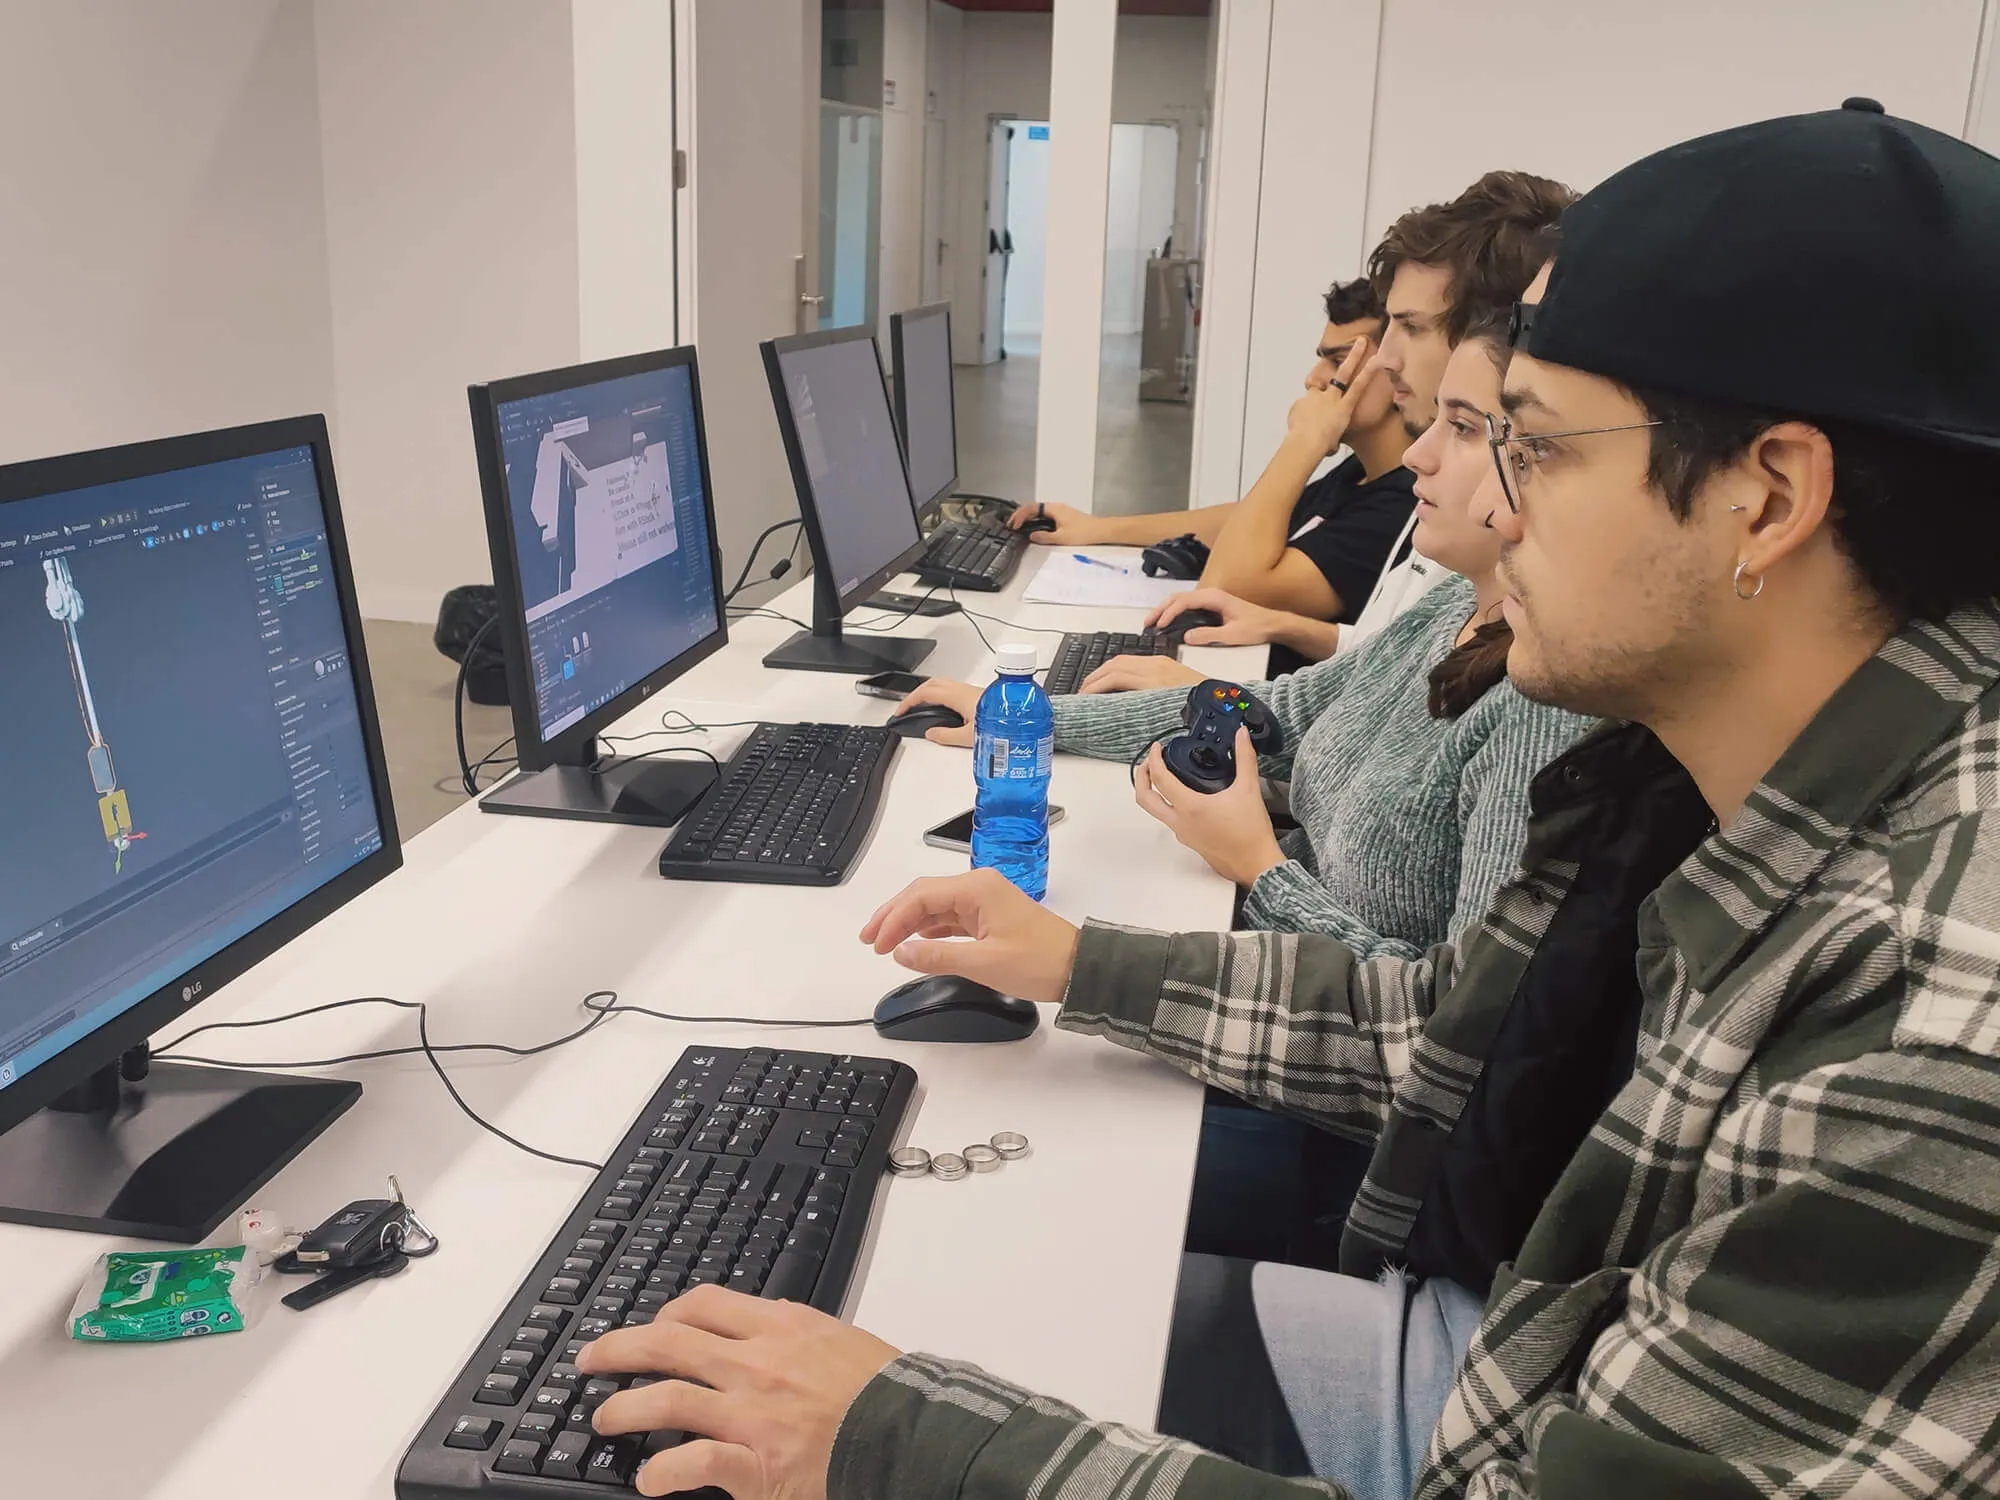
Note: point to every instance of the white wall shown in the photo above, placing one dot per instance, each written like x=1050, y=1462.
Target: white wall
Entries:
x=1139, y=218
x=162, y=245
x=451, y=193
x=622, y=64
x=997, y=63
x=1610, y=83
x=905, y=57
x=1570, y=88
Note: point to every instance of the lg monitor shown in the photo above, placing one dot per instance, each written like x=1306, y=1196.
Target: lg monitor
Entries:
x=926, y=414
x=194, y=776
x=602, y=531
x=832, y=405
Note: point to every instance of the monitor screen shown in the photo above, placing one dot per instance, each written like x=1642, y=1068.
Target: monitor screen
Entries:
x=847, y=442
x=924, y=379
x=604, y=490
x=180, y=735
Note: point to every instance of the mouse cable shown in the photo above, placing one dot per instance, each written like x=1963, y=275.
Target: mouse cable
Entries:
x=602, y=1004
x=743, y=578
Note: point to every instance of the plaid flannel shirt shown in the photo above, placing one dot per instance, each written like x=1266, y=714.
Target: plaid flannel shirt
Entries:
x=1774, y=1267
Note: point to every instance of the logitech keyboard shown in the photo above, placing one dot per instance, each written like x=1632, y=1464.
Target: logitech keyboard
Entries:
x=1078, y=654
x=753, y=1169
x=977, y=557
x=792, y=807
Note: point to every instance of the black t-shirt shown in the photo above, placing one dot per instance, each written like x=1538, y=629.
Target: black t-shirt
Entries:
x=1346, y=526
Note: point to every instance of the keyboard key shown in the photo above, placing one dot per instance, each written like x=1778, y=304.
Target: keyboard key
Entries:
x=564, y=1289
x=845, y=1155
x=534, y=1339
x=612, y=1462
x=815, y=1138
x=516, y=1361
x=538, y=1427
x=519, y=1457
x=566, y=1456
x=499, y=1390
x=542, y=1315
x=551, y=1400
x=476, y=1432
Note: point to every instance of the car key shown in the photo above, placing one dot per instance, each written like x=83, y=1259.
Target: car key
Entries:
x=333, y=1283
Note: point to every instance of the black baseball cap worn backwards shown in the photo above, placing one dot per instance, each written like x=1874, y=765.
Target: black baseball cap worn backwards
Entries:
x=1839, y=265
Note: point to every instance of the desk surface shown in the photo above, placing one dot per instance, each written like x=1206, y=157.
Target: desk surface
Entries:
x=502, y=924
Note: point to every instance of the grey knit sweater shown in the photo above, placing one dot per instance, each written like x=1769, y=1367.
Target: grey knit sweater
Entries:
x=1407, y=824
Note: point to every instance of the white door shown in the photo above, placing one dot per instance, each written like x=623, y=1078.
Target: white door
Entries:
x=993, y=319
x=752, y=187
x=935, y=282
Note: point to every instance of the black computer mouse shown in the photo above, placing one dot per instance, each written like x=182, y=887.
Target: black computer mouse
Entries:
x=946, y=1008
x=1037, y=523
x=914, y=723
x=1177, y=628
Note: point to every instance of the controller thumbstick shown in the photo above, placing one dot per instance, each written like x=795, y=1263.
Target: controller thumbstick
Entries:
x=1205, y=757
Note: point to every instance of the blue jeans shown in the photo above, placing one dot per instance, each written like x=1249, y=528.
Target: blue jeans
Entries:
x=1269, y=1187
x=1296, y=1371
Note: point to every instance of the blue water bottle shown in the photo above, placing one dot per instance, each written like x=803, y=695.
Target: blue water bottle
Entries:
x=1015, y=741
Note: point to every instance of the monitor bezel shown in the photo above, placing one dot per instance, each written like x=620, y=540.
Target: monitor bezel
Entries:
x=39, y=477
x=773, y=350
x=896, y=324
x=577, y=743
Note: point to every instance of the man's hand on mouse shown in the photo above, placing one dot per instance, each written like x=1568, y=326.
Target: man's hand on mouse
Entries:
x=1018, y=946
x=962, y=697
x=775, y=1379
x=1243, y=623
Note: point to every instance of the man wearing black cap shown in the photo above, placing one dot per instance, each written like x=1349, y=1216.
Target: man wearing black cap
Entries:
x=1734, y=1177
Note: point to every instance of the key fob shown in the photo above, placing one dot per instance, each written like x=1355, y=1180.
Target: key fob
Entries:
x=333, y=1283
x=360, y=1233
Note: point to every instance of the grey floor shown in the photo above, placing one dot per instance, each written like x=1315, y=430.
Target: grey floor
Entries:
x=1142, y=464
x=1142, y=446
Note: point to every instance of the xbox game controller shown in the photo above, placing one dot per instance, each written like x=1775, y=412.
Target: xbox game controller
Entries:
x=1204, y=758
x=1179, y=557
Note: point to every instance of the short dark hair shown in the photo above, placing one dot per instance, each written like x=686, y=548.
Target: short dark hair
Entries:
x=1492, y=239
x=1918, y=519
x=1352, y=301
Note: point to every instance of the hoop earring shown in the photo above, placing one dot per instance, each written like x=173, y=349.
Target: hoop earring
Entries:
x=1737, y=583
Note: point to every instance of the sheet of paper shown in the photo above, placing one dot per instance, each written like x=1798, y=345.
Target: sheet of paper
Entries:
x=1113, y=581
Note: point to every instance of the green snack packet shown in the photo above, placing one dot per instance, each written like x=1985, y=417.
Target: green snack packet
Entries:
x=145, y=1297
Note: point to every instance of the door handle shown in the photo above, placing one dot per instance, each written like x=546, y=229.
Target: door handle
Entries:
x=812, y=299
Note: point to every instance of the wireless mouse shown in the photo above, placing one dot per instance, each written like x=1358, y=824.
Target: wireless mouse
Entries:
x=946, y=1008
x=914, y=723
x=1177, y=628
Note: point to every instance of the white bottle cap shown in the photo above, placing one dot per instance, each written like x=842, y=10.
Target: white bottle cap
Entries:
x=1017, y=659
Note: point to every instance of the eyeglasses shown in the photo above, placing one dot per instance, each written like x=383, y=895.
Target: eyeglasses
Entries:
x=1517, y=457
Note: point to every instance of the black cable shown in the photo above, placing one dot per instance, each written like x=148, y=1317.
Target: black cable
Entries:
x=458, y=707
x=743, y=578
x=1011, y=505
x=599, y=1014
x=893, y=615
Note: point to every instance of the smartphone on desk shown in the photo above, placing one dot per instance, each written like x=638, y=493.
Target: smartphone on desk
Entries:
x=895, y=686
x=956, y=833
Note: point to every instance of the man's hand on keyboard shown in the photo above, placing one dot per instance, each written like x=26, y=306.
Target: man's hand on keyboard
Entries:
x=1073, y=527
x=1018, y=946
x=774, y=1381
x=1135, y=674
x=961, y=697
x=1231, y=829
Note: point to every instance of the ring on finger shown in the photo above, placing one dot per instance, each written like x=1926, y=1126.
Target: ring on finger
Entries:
x=1338, y=384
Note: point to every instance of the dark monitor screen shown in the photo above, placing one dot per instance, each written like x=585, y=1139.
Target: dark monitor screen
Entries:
x=604, y=490
x=923, y=384
x=180, y=735
x=847, y=444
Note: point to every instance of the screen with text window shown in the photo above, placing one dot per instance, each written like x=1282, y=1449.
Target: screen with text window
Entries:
x=603, y=487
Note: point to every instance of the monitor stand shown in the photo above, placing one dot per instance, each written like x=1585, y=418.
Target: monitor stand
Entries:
x=167, y=1157
x=651, y=793
x=825, y=649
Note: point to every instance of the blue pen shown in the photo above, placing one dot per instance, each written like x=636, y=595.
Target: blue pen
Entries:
x=1096, y=563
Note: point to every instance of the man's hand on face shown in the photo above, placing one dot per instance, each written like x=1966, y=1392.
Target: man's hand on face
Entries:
x=760, y=1388
x=1323, y=416
x=1018, y=946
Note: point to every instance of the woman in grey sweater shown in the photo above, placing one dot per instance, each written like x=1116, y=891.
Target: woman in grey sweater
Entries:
x=1409, y=758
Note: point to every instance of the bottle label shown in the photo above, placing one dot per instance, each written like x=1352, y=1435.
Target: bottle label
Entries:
x=1012, y=760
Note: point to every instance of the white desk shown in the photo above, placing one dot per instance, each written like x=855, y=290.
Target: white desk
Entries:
x=1058, y=1271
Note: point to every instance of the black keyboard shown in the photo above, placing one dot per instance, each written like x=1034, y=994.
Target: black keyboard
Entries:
x=1078, y=655
x=791, y=807
x=749, y=1169
x=979, y=557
